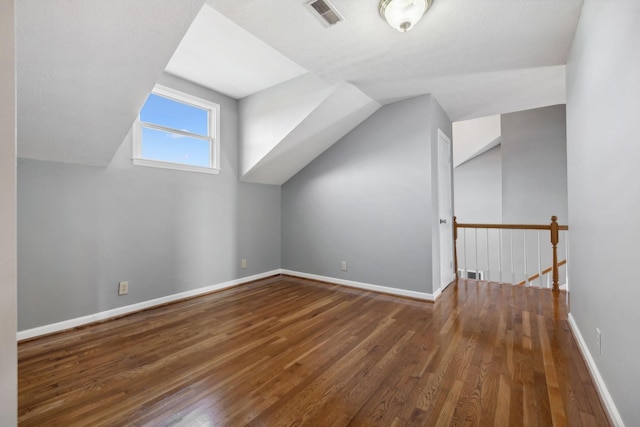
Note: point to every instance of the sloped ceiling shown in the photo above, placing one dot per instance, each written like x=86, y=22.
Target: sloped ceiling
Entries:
x=84, y=69
x=474, y=137
x=218, y=54
x=477, y=58
x=288, y=116
x=285, y=127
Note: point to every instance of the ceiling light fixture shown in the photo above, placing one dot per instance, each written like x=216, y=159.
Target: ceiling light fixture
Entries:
x=403, y=14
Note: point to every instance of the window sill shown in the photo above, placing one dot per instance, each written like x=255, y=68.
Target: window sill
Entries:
x=174, y=166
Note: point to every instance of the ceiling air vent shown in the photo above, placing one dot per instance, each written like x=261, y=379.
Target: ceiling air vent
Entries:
x=325, y=12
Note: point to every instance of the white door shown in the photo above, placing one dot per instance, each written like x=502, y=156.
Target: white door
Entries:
x=445, y=210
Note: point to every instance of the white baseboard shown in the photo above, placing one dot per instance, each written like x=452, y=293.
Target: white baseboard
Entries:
x=104, y=315
x=609, y=405
x=120, y=311
x=369, y=287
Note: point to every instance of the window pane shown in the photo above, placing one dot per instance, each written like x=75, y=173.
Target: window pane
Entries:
x=176, y=115
x=172, y=147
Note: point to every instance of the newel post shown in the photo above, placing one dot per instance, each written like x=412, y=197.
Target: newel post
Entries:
x=554, y=243
x=455, y=245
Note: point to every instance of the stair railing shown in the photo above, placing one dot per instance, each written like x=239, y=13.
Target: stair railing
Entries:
x=554, y=230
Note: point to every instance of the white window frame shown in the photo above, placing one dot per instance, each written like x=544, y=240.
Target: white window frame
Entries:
x=214, y=133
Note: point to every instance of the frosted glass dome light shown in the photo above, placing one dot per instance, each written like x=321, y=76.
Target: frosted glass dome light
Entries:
x=403, y=14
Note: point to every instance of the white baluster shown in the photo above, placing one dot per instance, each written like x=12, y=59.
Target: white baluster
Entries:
x=500, y=253
x=488, y=278
x=524, y=245
x=465, y=253
x=475, y=230
x=566, y=256
x=539, y=266
x=513, y=271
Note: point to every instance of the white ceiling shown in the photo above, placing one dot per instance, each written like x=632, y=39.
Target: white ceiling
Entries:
x=84, y=69
x=285, y=127
x=218, y=54
x=474, y=137
x=478, y=58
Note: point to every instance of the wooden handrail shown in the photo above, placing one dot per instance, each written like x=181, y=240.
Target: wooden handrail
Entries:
x=512, y=226
x=553, y=228
x=542, y=273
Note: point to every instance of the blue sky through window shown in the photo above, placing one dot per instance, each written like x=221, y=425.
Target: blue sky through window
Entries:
x=173, y=114
x=173, y=147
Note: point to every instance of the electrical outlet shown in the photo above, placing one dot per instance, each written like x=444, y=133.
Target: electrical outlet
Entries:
x=243, y=263
x=343, y=266
x=123, y=288
x=599, y=341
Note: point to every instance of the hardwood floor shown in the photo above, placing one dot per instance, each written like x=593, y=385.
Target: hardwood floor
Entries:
x=288, y=351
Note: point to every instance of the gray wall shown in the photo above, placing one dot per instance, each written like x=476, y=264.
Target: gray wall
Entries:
x=478, y=188
x=83, y=229
x=603, y=135
x=523, y=181
x=534, y=166
x=369, y=200
x=8, y=364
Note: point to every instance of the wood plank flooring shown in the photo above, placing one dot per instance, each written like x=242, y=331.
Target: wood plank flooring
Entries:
x=288, y=351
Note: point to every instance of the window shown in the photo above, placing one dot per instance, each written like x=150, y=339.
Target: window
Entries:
x=177, y=131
